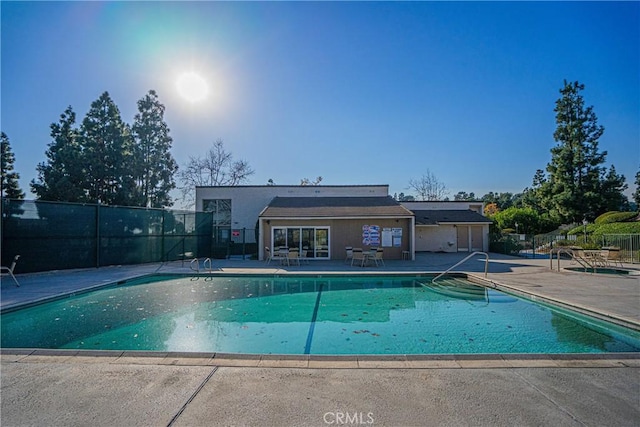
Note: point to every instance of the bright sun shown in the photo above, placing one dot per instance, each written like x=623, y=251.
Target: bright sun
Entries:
x=192, y=87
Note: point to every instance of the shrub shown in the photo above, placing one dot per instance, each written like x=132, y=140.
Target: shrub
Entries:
x=615, y=216
x=506, y=245
x=591, y=227
x=618, y=228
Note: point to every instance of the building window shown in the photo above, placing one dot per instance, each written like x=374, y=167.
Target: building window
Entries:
x=221, y=209
x=312, y=242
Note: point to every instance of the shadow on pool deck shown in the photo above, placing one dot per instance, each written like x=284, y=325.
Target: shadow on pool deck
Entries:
x=170, y=389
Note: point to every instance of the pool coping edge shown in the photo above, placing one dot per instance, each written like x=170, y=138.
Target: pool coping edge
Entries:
x=410, y=361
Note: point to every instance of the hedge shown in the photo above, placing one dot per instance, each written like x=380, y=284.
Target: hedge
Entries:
x=619, y=228
x=615, y=216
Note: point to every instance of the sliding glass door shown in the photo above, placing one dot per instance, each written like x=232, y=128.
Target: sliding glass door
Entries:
x=312, y=242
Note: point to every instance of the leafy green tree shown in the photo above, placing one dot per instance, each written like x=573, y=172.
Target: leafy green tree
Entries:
x=404, y=197
x=108, y=152
x=528, y=220
x=62, y=176
x=10, y=187
x=573, y=188
x=501, y=200
x=154, y=166
x=463, y=195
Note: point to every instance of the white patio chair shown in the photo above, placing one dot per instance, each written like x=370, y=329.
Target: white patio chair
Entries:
x=294, y=257
x=9, y=270
x=377, y=257
x=358, y=256
x=349, y=250
x=283, y=255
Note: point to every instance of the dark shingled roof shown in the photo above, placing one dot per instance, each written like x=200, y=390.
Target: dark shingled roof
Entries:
x=296, y=207
x=440, y=216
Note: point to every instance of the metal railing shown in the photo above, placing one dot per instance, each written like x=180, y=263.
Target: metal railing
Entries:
x=486, y=264
x=206, y=264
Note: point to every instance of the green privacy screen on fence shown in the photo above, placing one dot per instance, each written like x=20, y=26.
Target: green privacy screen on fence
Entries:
x=55, y=236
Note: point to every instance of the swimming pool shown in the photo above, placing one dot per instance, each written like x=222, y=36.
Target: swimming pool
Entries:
x=331, y=315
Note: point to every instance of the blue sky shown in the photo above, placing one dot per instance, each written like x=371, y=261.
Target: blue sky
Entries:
x=356, y=92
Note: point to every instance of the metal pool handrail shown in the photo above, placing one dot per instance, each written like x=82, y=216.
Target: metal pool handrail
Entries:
x=580, y=260
x=486, y=264
x=195, y=265
x=197, y=268
x=558, y=251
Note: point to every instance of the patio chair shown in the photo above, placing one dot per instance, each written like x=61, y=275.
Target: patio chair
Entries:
x=614, y=257
x=349, y=250
x=9, y=270
x=294, y=257
x=269, y=256
x=283, y=255
x=304, y=255
x=359, y=256
x=377, y=257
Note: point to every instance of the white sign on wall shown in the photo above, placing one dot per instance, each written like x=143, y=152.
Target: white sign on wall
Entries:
x=387, y=238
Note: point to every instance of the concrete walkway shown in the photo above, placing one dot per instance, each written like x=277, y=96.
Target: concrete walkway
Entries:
x=69, y=388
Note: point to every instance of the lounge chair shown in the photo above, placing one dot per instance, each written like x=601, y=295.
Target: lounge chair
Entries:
x=9, y=270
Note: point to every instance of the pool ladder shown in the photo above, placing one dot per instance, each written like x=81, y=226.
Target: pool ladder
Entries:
x=486, y=265
x=195, y=265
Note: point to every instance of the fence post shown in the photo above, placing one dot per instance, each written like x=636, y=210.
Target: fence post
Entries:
x=533, y=246
x=98, y=234
x=244, y=240
x=162, y=254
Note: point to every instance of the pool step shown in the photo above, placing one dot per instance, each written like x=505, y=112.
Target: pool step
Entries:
x=462, y=289
x=456, y=288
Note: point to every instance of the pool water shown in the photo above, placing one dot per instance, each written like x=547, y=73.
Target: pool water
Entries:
x=309, y=315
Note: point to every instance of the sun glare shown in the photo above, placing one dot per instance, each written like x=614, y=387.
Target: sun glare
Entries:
x=192, y=87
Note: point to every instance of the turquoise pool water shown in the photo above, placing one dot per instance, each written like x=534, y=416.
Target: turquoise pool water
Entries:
x=309, y=315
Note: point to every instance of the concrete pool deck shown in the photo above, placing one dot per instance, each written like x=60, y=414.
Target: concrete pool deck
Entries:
x=41, y=387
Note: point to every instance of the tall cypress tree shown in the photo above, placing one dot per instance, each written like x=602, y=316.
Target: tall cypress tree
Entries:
x=9, y=186
x=576, y=178
x=62, y=177
x=108, y=152
x=154, y=164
